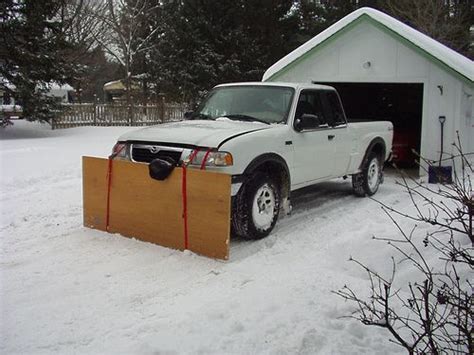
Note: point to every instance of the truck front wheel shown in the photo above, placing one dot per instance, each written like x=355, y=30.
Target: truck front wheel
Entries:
x=367, y=182
x=256, y=207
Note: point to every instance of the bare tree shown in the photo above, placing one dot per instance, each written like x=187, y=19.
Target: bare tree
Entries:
x=80, y=29
x=434, y=313
x=125, y=34
x=447, y=21
x=79, y=26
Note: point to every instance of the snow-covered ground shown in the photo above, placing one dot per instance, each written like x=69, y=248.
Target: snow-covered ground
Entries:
x=68, y=289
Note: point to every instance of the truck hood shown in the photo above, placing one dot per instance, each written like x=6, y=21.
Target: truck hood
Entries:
x=203, y=133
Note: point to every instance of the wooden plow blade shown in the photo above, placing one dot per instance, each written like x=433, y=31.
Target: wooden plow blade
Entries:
x=194, y=213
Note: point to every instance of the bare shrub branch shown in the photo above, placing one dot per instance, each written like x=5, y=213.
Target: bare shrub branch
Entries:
x=434, y=312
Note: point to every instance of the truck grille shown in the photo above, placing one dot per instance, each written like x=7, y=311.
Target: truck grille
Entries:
x=146, y=153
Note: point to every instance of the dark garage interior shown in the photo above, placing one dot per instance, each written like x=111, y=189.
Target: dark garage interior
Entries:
x=402, y=104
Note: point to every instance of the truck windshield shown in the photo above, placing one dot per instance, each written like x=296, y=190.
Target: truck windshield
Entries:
x=268, y=104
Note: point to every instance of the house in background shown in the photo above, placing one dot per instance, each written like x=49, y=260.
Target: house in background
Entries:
x=8, y=105
x=11, y=107
x=115, y=91
x=62, y=93
x=386, y=70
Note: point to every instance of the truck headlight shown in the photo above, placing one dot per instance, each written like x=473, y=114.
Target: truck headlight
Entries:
x=212, y=158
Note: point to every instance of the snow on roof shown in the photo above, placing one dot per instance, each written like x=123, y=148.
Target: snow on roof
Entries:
x=119, y=85
x=51, y=86
x=55, y=86
x=277, y=84
x=5, y=83
x=114, y=85
x=449, y=57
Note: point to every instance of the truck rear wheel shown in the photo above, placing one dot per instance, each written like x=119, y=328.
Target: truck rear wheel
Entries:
x=367, y=182
x=256, y=207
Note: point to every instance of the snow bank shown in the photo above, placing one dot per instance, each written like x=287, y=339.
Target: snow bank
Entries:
x=67, y=289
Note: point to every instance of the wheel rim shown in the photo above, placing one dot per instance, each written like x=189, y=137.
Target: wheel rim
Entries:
x=373, y=174
x=263, y=207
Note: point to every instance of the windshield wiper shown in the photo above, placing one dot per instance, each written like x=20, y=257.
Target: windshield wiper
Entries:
x=247, y=118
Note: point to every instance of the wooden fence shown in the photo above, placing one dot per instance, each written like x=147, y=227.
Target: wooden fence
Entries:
x=76, y=115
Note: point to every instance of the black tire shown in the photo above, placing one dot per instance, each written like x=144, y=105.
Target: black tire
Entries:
x=367, y=182
x=257, y=190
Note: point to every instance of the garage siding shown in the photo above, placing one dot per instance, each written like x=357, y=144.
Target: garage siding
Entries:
x=343, y=59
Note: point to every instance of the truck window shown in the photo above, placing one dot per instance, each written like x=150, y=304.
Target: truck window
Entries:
x=266, y=103
x=333, y=108
x=309, y=102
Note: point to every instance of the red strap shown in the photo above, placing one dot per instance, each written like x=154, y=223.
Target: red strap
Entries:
x=185, y=200
x=203, y=163
x=109, y=183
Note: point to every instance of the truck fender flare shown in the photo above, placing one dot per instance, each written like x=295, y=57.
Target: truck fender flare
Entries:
x=377, y=141
x=277, y=161
x=267, y=158
x=284, y=179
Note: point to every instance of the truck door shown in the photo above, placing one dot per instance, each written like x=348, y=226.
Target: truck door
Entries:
x=343, y=140
x=313, y=140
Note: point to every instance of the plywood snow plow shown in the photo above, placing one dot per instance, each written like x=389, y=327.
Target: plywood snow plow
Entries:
x=190, y=209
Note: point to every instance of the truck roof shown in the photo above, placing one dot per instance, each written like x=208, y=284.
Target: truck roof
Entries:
x=279, y=84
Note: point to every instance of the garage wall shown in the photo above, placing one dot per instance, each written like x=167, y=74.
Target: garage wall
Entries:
x=342, y=59
x=443, y=99
x=467, y=118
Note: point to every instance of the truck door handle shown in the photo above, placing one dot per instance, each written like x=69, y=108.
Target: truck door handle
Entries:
x=331, y=137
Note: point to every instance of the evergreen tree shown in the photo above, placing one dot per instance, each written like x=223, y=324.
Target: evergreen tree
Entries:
x=204, y=43
x=93, y=71
x=448, y=21
x=31, y=45
x=316, y=16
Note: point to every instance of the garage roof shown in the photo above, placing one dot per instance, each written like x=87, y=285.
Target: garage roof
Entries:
x=436, y=51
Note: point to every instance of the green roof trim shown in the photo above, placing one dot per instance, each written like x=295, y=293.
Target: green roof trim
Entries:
x=385, y=29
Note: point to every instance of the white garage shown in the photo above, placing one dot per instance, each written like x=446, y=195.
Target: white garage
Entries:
x=384, y=69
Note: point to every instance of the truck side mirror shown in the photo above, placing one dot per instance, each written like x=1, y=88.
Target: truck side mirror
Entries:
x=298, y=125
x=307, y=121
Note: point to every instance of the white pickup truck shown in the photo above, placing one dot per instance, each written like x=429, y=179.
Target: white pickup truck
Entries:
x=273, y=138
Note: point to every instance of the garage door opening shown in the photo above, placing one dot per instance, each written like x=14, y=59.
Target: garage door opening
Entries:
x=401, y=104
